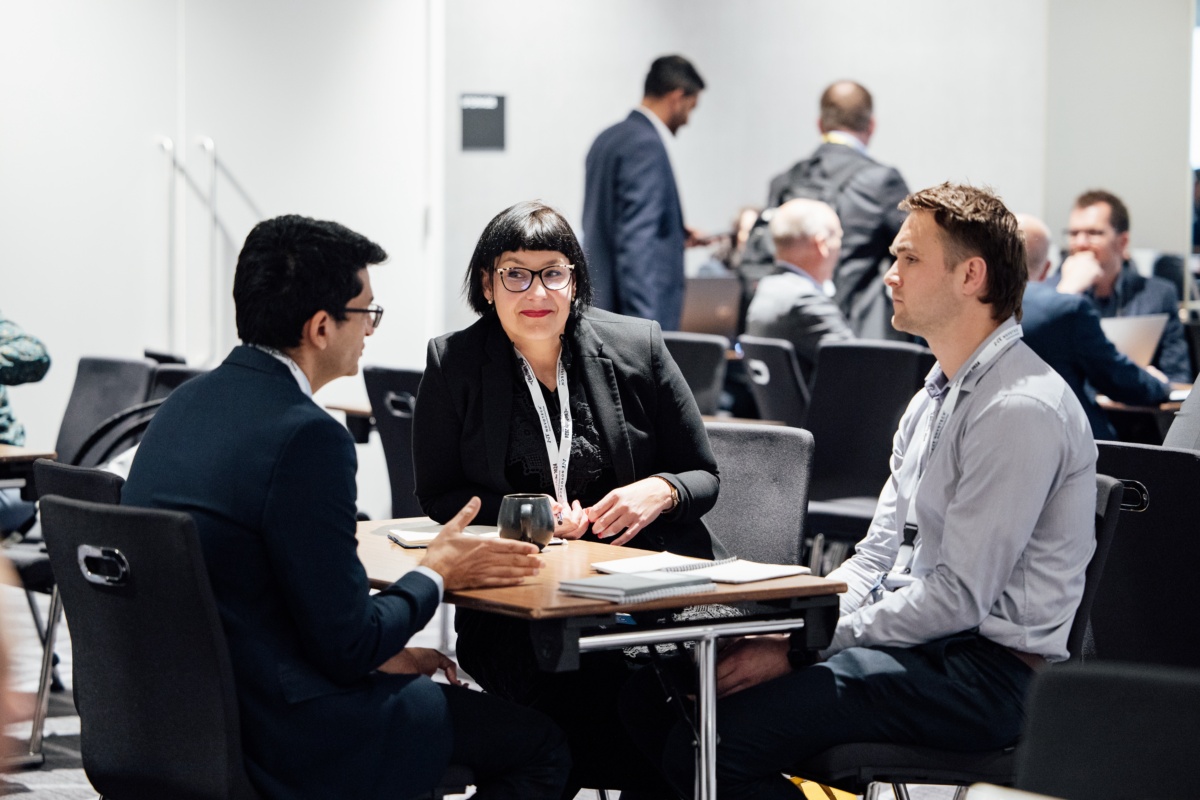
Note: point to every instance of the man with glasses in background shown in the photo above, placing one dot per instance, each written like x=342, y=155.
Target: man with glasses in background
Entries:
x=333, y=702
x=1098, y=267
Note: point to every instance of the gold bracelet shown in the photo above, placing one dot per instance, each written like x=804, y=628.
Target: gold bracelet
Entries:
x=674, y=493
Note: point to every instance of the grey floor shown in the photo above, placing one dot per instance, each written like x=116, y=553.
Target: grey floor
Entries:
x=62, y=777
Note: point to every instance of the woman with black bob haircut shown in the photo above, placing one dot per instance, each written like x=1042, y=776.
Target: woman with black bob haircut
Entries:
x=638, y=466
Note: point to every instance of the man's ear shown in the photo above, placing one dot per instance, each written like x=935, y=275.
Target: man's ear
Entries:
x=1123, y=243
x=974, y=281
x=316, y=330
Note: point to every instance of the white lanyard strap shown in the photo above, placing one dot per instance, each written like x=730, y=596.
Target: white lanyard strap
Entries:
x=999, y=343
x=558, y=452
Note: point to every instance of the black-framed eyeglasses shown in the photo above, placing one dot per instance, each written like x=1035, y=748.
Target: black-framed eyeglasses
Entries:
x=375, y=311
x=519, y=279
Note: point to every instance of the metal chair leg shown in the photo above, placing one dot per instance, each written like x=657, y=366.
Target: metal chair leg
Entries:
x=817, y=554
x=56, y=683
x=35, y=756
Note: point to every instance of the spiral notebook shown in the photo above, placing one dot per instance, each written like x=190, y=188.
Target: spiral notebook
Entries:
x=723, y=570
x=636, y=588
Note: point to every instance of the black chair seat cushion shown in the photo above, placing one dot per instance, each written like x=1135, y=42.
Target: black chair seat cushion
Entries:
x=852, y=767
x=841, y=518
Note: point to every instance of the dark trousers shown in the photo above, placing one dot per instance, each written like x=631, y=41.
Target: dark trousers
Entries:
x=515, y=752
x=962, y=692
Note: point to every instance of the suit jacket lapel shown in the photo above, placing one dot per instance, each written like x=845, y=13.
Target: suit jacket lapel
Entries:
x=497, y=400
x=600, y=380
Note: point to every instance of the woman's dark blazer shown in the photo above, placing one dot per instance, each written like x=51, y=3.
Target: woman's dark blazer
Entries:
x=645, y=413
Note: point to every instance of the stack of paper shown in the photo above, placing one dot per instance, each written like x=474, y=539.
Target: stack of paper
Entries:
x=725, y=570
x=636, y=588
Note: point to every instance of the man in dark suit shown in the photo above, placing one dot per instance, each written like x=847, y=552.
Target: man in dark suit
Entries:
x=1098, y=269
x=1064, y=329
x=333, y=703
x=792, y=303
x=633, y=227
x=864, y=193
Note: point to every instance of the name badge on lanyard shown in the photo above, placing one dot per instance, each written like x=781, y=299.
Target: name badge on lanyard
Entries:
x=559, y=452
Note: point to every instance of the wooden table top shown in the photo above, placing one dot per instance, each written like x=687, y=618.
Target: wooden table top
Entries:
x=1170, y=406
x=11, y=454
x=539, y=598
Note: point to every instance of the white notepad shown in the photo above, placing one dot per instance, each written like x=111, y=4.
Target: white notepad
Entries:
x=725, y=570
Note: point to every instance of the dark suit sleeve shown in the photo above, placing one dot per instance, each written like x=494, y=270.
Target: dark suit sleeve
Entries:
x=442, y=487
x=870, y=217
x=1172, y=356
x=1105, y=368
x=684, y=457
x=644, y=186
x=308, y=530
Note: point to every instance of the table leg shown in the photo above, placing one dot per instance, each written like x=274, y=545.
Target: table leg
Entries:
x=706, y=769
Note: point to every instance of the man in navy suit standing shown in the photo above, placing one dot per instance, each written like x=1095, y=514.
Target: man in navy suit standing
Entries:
x=632, y=219
x=1064, y=329
x=333, y=702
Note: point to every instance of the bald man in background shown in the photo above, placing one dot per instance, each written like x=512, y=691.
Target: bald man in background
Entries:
x=794, y=302
x=1064, y=330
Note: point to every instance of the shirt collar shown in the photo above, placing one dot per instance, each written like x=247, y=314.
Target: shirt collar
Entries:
x=293, y=367
x=664, y=132
x=841, y=137
x=803, y=273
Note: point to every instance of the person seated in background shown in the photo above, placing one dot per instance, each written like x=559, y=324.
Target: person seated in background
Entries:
x=546, y=394
x=729, y=247
x=1064, y=329
x=333, y=702
x=993, y=470
x=794, y=301
x=23, y=359
x=1099, y=268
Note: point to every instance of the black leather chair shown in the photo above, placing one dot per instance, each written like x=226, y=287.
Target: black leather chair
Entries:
x=779, y=388
x=169, y=377
x=863, y=768
x=393, y=394
x=116, y=434
x=33, y=565
x=103, y=387
x=153, y=682
x=859, y=393
x=1145, y=610
x=1110, y=732
x=701, y=359
x=764, y=468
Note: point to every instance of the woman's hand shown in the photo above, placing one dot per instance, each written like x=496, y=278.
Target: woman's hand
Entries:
x=630, y=508
x=574, y=520
x=421, y=661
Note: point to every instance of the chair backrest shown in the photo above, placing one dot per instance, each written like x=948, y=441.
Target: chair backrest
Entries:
x=764, y=470
x=116, y=434
x=1145, y=609
x=1110, y=732
x=1192, y=329
x=393, y=394
x=711, y=304
x=859, y=392
x=77, y=483
x=701, y=359
x=1109, y=493
x=779, y=387
x=103, y=387
x=1184, y=433
x=154, y=686
x=169, y=377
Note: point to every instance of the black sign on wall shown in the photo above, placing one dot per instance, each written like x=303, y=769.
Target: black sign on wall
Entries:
x=482, y=121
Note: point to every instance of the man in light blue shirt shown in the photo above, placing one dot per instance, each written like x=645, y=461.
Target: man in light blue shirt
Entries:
x=993, y=471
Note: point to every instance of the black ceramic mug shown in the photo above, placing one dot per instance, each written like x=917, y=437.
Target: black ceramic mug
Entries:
x=527, y=518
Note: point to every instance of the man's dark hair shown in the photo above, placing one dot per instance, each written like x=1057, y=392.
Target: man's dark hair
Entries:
x=669, y=73
x=975, y=222
x=290, y=268
x=846, y=106
x=1118, y=215
x=526, y=226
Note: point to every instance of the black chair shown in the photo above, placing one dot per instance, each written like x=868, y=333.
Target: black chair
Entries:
x=154, y=686
x=779, y=388
x=701, y=359
x=116, y=434
x=393, y=394
x=1110, y=732
x=863, y=768
x=163, y=357
x=1145, y=610
x=169, y=377
x=859, y=393
x=33, y=565
x=103, y=387
x=1192, y=329
x=764, y=468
